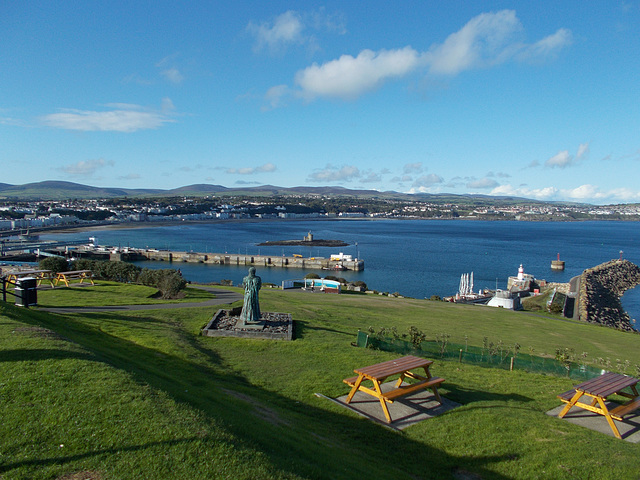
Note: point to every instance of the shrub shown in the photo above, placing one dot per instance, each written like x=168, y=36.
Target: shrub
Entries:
x=170, y=283
x=116, y=271
x=361, y=284
x=555, y=308
x=55, y=264
x=312, y=275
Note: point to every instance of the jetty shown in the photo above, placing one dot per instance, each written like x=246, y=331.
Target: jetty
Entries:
x=128, y=254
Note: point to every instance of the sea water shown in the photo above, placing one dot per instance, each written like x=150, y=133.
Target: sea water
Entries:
x=415, y=258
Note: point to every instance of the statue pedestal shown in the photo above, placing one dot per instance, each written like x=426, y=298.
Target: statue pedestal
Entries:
x=251, y=325
x=272, y=326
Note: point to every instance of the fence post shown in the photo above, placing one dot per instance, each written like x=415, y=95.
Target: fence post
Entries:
x=511, y=365
x=4, y=289
x=460, y=358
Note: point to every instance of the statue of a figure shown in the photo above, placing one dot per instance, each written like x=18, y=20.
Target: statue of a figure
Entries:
x=251, y=307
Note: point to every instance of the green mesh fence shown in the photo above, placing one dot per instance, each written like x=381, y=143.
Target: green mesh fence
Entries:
x=494, y=357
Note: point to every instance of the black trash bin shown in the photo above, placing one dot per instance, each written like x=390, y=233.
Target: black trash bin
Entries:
x=26, y=292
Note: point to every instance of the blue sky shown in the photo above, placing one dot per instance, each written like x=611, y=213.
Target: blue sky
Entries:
x=535, y=99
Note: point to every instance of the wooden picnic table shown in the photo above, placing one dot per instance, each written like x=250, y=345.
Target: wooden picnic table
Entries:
x=39, y=275
x=598, y=389
x=404, y=367
x=81, y=275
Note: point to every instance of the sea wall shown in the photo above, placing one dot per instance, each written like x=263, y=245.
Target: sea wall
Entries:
x=600, y=290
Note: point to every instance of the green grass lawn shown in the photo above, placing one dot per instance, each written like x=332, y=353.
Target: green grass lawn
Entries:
x=111, y=293
x=141, y=395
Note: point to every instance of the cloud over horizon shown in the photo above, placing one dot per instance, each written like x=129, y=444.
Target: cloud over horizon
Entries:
x=487, y=40
x=86, y=168
x=122, y=117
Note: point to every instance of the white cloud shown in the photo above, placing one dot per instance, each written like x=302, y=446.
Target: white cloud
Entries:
x=548, y=46
x=330, y=173
x=491, y=39
x=561, y=159
x=173, y=75
x=130, y=176
x=275, y=96
x=285, y=29
x=584, y=193
x=486, y=40
x=348, y=77
x=411, y=168
x=547, y=193
x=583, y=151
x=244, y=182
x=564, y=159
x=427, y=181
x=294, y=28
x=86, y=168
x=169, y=70
x=267, y=167
x=482, y=183
x=371, y=177
x=122, y=118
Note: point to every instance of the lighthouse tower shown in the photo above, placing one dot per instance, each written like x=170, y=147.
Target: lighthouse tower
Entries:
x=520, y=273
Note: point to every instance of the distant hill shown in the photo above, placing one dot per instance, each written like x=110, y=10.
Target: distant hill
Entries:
x=58, y=190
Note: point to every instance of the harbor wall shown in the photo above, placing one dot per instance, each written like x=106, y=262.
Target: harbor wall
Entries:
x=250, y=260
x=600, y=290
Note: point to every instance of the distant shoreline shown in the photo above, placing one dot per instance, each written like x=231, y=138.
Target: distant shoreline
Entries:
x=168, y=223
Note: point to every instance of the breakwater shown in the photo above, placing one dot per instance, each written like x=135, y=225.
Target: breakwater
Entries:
x=600, y=290
x=135, y=254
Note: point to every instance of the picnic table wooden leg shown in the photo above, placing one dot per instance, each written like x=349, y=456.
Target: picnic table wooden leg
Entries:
x=355, y=388
x=605, y=412
x=571, y=403
x=400, y=380
x=383, y=401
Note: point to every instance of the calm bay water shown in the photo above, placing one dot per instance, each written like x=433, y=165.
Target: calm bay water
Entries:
x=413, y=257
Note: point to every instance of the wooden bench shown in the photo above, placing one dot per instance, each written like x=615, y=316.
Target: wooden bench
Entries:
x=566, y=396
x=403, y=390
x=81, y=275
x=598, y=389
x=622, y=410
x=39, y=275
x=379, y=372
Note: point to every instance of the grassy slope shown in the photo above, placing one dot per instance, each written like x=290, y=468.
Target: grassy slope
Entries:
x=142, y=395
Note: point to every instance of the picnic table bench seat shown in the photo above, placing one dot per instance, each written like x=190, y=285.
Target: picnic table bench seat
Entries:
x=567, y=396
x=403, y=390
x=622, y=410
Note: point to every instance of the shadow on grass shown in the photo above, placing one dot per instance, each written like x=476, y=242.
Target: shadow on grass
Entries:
x=467, y=396
x=44, y=462
x=301, y=326
x=296, y=437
x=26, y=354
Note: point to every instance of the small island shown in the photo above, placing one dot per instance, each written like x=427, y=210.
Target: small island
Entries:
x=307, y=241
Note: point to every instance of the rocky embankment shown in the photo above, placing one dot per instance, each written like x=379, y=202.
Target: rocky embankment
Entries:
x=600, y=290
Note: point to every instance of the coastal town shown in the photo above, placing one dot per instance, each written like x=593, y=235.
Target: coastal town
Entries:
x=32, y=215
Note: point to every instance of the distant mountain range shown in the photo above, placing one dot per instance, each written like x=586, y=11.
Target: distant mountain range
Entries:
x=57, y=190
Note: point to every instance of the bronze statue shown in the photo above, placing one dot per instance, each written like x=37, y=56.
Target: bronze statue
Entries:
x=251, y=307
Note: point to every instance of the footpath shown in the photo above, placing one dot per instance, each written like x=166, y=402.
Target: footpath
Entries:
x=223, y=297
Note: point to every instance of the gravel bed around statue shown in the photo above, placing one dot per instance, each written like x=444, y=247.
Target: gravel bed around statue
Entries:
x=274, y=322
